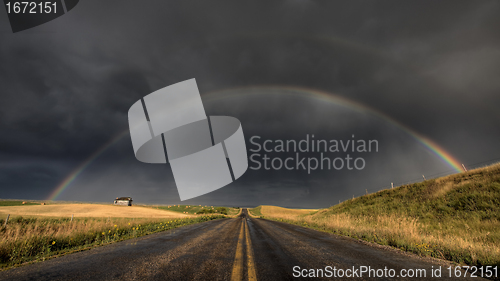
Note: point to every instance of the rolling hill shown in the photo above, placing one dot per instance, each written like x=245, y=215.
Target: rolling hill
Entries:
x=456, y=217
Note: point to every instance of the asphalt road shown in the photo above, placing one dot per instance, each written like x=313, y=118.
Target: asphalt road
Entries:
x=241, y=248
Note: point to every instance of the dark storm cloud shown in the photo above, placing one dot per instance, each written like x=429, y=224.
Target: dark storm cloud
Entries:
x=56, y=108
x=66, y=87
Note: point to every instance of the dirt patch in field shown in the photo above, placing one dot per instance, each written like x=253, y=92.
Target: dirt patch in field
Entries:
x=88, y=210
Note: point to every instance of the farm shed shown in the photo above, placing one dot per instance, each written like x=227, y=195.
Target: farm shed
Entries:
x=124, y=201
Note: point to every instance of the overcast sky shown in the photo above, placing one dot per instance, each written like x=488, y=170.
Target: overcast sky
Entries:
x=66, y=87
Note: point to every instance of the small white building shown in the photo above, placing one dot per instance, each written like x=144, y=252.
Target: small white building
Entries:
x=124, y=201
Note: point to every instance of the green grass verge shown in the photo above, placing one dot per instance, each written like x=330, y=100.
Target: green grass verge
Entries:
x=256, y=211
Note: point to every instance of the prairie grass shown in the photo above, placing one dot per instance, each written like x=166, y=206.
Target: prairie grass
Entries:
x=29, y=239
x=456, y=218
x=256, y=212
x=86, y=210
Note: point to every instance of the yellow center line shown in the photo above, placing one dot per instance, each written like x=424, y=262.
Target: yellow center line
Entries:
x=237, y=273
x=243, y=239
x=252, y=276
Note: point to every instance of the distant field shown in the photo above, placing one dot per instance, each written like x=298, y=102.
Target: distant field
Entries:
x=456, y=217
x=196, y=209
x=16, y=203
x=88, y=210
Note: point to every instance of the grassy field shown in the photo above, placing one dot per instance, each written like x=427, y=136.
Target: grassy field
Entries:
x=198, y=209
x=37, y=232
x=456, y=218
x=256, y=212
x=87, y=210
x=16, y=203
x=38, y=238
x=279, y=211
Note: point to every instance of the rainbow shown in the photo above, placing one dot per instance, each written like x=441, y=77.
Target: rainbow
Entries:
x=80, y=168
x=341, y=101
x=438, y=151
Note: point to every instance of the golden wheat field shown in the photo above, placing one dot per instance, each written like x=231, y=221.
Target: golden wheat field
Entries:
x=88, y=210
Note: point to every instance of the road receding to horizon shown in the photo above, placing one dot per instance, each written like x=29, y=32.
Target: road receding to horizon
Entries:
x=241, y=248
